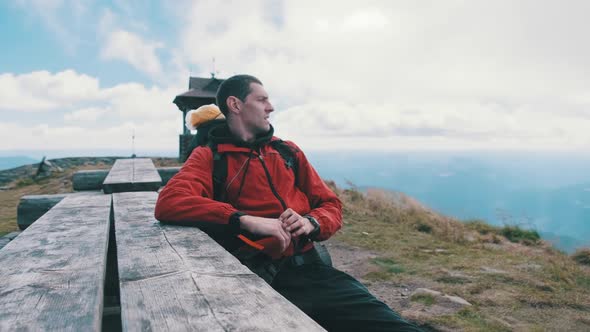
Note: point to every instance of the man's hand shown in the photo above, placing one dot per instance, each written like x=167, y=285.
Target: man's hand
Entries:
x=266, y=227
x=295, y=224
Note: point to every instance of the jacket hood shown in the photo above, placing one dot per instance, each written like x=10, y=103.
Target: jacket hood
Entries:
x=221, y=134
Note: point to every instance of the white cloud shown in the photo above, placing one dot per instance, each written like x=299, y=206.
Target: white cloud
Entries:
x=131, y=48
x=91, y=116
x=86, y=116
x=148, y=136
x=472, y=74
x=42, y=90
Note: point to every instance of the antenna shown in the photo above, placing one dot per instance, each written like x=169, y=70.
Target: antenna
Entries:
x=214, y=70
x=133, y=143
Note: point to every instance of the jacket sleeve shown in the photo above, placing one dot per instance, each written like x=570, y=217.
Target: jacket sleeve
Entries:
x=326, y=207
x=188, y=196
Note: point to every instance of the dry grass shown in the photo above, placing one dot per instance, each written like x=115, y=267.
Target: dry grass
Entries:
x=582, y=256
x=58, y=182
x=512, y=285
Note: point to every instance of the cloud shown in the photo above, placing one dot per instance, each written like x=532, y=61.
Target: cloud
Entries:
x=429, y=126
x=87, y=115
x=381, y=74
x=131, y=48
x=42, y=90
x=148, y=136
x=473, y=74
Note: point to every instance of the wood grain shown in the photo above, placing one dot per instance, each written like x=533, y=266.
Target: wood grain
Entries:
x=32, y=207
x=136, y=174
x=52, y=274
x=175, y=278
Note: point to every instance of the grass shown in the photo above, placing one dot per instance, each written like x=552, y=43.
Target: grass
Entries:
x=512, y=233
x=425, y=299
x=388, y=265
x=508, y=272
x=582, y=256
x=517, y=234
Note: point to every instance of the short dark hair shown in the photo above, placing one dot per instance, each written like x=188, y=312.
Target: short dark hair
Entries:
x=237, y=86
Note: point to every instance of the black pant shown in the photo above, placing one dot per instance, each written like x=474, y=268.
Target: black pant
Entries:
x=335, y=300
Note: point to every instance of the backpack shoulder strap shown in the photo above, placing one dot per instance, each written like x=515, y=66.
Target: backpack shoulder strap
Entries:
x=219, y=172
x=289, y=155
x=287, y=152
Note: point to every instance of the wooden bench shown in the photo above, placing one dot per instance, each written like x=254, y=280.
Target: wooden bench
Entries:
x=93, y=179
x=52, y=275
x=89, y=179
x=88, y=264
x=136, y=174
x=175, y=278
x=32, y=207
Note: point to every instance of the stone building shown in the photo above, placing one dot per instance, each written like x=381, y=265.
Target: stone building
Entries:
x=201, y=91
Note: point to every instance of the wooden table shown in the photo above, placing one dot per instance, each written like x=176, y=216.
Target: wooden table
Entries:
x=52, y=275
x=136, y=174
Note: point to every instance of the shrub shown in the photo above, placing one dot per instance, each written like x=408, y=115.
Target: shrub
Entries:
x=517, y=234
x=424, y=228
x=582, y=256
x=24, y=182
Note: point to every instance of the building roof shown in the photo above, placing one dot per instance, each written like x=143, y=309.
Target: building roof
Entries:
x=199, y=88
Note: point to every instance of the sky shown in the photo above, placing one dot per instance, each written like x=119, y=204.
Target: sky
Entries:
x=378, y=75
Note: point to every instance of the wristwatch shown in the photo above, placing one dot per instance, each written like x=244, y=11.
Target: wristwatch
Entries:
x=316, y=228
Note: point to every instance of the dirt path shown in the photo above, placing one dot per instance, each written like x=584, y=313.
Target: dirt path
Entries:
x=356, y=262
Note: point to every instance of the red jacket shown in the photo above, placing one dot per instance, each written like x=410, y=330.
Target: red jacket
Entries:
x=188, y=196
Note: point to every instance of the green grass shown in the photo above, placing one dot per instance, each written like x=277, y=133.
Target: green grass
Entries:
x=388, y=265
x=517, y=234
x=426, y=299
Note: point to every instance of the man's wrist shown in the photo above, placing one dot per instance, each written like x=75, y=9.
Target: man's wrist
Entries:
x=315, y=232
x=235, y=223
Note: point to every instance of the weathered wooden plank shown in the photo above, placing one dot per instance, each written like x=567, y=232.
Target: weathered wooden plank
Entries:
x=89, y=180
x=136, y=174
x=175, y=278
x=32, y=207
x=166, y=173
x=52, y=274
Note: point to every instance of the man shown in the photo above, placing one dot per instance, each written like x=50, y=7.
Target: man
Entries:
x=272, y=205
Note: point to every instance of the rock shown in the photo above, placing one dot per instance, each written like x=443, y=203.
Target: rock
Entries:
x=426, y=291
x=458, y=300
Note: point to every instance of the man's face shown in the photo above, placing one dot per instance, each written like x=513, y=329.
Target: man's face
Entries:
x=256, y=110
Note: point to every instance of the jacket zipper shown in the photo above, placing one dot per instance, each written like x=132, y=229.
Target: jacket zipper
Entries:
x=272, y=187
x=274, y=191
